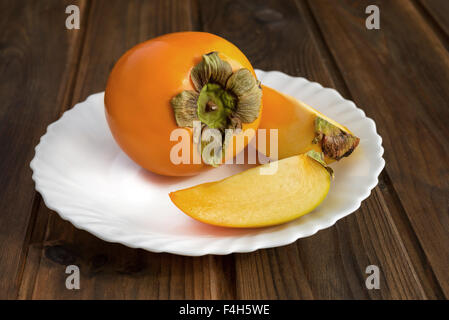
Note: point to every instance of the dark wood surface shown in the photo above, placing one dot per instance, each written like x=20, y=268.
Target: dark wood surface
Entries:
x=399, y=75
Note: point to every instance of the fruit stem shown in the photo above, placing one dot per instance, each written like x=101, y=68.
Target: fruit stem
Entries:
x=215, y=105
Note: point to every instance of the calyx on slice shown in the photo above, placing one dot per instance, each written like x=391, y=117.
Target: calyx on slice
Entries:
x=249, y=199
x=335, y=142
x=222, y=99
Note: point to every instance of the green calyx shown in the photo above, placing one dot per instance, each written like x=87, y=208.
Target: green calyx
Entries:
x=335, y=142
x=215, y=105
x=222, y=99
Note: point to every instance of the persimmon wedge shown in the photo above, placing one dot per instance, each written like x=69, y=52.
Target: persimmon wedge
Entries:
x=301, y=128
x=250, y=199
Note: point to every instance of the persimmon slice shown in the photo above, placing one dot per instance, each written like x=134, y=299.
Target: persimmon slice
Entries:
x=251, y=199
x=302, y=128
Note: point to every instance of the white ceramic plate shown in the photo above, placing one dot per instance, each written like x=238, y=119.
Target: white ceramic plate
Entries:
x=83, y=175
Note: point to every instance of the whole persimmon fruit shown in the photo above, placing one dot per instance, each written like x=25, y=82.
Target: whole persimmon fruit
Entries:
x=196, y=81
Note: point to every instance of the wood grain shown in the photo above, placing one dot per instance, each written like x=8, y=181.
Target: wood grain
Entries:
x=398, y=85
x=37, y=55
x=439, y=11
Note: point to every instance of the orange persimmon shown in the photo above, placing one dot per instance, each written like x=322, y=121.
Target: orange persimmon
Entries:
x=171, y=81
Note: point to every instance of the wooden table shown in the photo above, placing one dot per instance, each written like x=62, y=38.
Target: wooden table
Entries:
x=399, y=75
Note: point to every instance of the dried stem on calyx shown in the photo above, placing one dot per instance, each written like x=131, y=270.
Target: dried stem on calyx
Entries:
x=222, y=99
x=335, y=142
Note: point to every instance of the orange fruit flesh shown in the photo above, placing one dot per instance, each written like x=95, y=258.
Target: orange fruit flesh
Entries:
x=250, y=199
x=294, y=121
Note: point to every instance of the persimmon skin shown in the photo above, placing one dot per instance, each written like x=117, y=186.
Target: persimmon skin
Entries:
x=139, y=90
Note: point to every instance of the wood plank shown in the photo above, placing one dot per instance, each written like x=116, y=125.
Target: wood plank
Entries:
x=401, y=222
x=108, y=270
x=331, y=264
x=113, y=271
x=37, y=55
x=272, y=274
x=439, y=11
x=400, y=81
x=409, y=239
